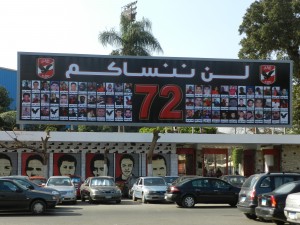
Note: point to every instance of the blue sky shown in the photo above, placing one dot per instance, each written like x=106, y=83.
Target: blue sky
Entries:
x=184, y=28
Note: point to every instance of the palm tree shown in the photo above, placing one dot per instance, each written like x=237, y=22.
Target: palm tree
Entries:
x=135, y=38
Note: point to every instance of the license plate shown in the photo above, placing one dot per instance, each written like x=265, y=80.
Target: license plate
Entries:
x=263, y=202
x=108, y=197
x=243, y=199
x=292, y=215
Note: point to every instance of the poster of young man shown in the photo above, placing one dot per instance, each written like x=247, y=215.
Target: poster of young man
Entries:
x=95, y=165
x=161, y=164
x=8, y=164
x=126, y=165
x=66, y=164
x=32, y=165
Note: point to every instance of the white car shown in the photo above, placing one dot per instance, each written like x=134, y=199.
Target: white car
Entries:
x=64, y=185
x=149, y=189
x=292, y=208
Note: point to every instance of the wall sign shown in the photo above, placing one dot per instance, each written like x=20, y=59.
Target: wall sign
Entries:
x=152, y=91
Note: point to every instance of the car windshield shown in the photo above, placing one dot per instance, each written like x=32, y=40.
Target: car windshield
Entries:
x=170, y=179
x=285, y=188
x=59, y=182
x=75, y=179
x=102, y=182
x=250, y=181
x=154, y=182
x=236, y=180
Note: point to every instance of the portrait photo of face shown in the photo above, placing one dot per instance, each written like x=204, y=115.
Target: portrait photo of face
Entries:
x=54, y=86
x=126, y=165
x=159, y=165
x=66, y=165
x=34, y=166
x=5, y=165
x=97, y=165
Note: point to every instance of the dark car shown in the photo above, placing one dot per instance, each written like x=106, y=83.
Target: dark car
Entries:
x=127, y=192
x=259, y=184
x=202, y=190
x=14, y=196
x=23, y=180
x=39, y=180
x=235, y=180
x=184, y=177
x=77, y=181
x=271, y=205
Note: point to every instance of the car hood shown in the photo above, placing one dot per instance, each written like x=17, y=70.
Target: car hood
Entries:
x=63, y=188
x=155, y=188
x=103, y=188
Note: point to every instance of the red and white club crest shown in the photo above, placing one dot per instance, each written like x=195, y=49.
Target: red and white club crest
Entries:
x=267, y=74
x=45, y=67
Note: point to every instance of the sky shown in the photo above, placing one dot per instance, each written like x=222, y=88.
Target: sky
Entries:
x=184, y=28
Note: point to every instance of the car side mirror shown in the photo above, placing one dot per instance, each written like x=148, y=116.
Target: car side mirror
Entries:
x=18, y=190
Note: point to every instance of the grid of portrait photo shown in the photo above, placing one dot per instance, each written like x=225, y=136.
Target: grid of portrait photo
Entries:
x=232, y=104
x=76, y=101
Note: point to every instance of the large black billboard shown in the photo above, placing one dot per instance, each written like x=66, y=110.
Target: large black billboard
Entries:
x=152, y=91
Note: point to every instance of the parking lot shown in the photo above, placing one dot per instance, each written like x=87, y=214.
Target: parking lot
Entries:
x=131, y=213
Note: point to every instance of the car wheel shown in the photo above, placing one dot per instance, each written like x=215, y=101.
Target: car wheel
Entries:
x=179, y=203
x=133, y=197
x=188, y=201
x=233, y=204
x=118, y=201
x=91, y=200
x=278, y=222
x=144, y=200
x=250, y=216
x=38, y=207
x=82, y=198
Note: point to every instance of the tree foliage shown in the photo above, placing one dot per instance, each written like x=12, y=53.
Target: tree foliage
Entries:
x=296, y=111
x=5, y=100
x=272, y=29
x=8, y=120
x=134, y=38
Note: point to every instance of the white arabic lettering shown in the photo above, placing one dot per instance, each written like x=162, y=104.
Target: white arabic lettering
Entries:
x=74, y=70
x=212, y=76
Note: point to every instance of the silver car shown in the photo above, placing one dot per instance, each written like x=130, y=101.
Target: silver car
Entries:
x=64, y=185
x=292, y=208
x=102, y=188
x=149, y=189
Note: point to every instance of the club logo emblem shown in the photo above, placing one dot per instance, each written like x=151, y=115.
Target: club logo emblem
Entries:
x=45, y=67
x=267, y=74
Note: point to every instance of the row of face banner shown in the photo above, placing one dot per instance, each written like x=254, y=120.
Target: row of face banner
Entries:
x=120, y=166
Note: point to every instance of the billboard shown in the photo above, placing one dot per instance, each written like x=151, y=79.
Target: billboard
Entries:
x=152, y=91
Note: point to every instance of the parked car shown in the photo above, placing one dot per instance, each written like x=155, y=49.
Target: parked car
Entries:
x=292, y=208
x=77, y=181
x=39, y=180
x=170, y=179
x=202, y=190
x=184, y=177
x=127, y=191
x=24, y=180
x=235, y=180
x=271, y=205
x=14, y=196
x=149, y=189
x=64, y=186
x=259, y=184
x=102, y=188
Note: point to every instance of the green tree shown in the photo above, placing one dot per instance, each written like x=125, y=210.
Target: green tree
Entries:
x=271, y=28
x=5, y=100
x=296, y=111
x=134, y=38
x=8, y=120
